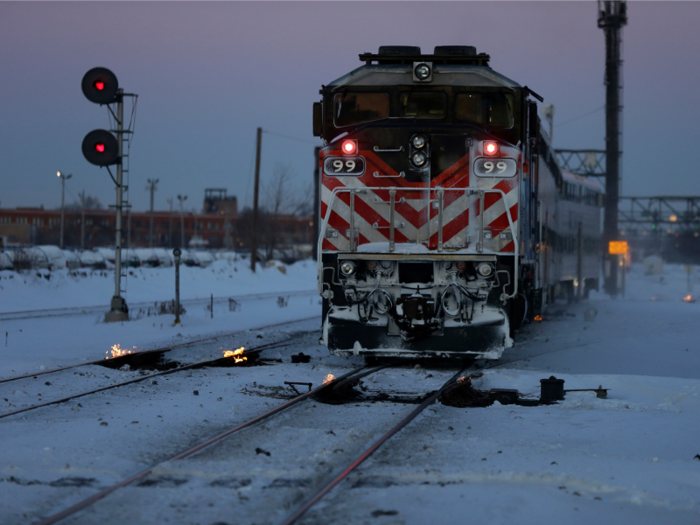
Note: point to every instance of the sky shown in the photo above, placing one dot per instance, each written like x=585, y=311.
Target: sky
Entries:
x=209, y=73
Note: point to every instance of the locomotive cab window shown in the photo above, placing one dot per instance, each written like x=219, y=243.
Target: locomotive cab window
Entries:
x=490, y=109
x=422, y=105
x=356, y=108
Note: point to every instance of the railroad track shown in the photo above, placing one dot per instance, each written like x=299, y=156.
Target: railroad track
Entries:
x=101, y=309
x=249, y=353
x=339, y=383
x=191, y=342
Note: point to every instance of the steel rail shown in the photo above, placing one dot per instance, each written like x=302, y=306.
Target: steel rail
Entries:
x=405, y=421
x=161, y=349
x=87, y=310
x=107, y=491
x=253, y=350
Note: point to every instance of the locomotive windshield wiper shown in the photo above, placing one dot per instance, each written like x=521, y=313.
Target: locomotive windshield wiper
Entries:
x=340, y=104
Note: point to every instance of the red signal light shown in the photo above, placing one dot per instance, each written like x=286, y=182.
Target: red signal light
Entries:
x=490, y=148
x=99, y=86
x=100, y=147
x=349, y=147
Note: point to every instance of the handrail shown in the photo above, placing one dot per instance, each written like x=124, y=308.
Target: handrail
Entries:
x=388, y=150
x=392, y=196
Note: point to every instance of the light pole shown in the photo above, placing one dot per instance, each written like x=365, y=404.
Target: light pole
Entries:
x=63, y=177
x=182, y=199
x=170, y=232
x=152, y=186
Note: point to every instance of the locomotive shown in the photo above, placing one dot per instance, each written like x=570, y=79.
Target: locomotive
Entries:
x=445, y=221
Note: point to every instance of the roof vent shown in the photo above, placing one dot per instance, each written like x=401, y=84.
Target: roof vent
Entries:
x=465, y=51
x=399, y=51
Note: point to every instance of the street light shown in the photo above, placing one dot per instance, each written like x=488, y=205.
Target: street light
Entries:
x=182, y=199
x=63, y=177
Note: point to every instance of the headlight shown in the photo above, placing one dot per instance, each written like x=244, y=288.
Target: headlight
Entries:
x=385, y=264
x=422, y=71
x=418, y=141
x=484, y=269
x=371, y=265
x=419, y=159
x=347, y=268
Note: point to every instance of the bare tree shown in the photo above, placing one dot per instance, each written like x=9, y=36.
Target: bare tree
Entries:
x=281, y=198
x=86, y=202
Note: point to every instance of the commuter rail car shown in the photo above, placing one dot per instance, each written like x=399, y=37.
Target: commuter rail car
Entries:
x=441, y=226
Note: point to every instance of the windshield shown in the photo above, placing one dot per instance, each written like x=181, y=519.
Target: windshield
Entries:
x=355, y=108
x=422, y=105
x=490, y=109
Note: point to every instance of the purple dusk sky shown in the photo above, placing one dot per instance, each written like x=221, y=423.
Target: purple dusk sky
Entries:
x=208, y=74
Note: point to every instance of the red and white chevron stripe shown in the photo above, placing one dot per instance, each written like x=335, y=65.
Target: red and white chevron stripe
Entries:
x=416, y=214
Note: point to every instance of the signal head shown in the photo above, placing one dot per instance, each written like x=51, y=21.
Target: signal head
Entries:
x=100, y=86
x=100, y=147
x=490, y=148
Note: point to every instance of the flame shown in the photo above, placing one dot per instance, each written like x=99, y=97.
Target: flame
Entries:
x=538, y=318
x=117, y=351
x=461, y=379
x=688, y=298
x=236, y=354
x=328, y=379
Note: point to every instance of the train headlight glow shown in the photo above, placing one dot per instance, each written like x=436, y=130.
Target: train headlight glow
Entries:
x=347, y=268
x=419, y=159
x=484, y=269
x=490, y=148
x=349, y=147
x=418, y=141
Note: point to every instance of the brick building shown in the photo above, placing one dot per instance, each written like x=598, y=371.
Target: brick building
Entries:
x=92, y=228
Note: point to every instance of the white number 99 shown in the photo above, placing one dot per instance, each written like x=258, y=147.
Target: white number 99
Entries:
x=488, y=166
x=350, y=165
x=501, y=167
x=338, y=165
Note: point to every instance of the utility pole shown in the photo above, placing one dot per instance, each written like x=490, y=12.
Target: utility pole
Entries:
x=152, y=186
x=170, y=232
x=254, y=243
x=182, y=199
x=63, y=178
x=82, y=219
x=612, y=16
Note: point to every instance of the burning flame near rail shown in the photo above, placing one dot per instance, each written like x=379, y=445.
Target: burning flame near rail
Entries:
x=117, y=351
x=538, y=318
x=328, y=379
x=688, y=298
x=236, y=354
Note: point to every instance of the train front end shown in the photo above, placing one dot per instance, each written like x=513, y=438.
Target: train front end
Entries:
x=421, y=176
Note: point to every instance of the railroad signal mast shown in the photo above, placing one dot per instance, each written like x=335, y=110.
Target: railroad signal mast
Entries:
x=612, y=16
x=102, y=148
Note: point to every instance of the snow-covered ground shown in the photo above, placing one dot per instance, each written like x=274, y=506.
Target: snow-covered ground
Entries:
x=29, y=344
x=630, y=458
